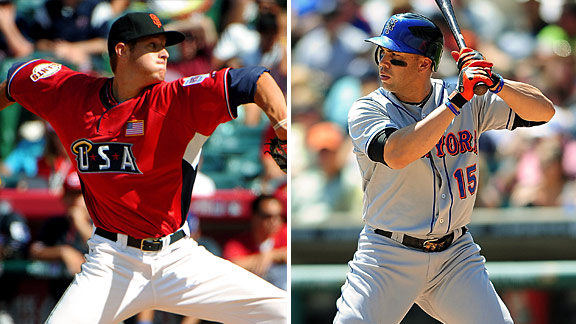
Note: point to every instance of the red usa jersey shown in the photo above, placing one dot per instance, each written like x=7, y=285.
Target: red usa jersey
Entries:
x=137, y=160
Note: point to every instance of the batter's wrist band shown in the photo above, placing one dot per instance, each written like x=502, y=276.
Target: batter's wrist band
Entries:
x=452, y=108
x=280, y=124
x=458, y=100
x=500, y=84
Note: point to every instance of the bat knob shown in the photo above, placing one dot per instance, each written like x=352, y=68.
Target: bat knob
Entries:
x=480, y=89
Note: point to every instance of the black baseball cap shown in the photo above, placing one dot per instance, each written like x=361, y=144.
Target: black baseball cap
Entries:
x=135, y=25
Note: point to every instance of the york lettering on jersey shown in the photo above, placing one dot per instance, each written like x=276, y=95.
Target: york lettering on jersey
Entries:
x=454, y=144
x=104, y=157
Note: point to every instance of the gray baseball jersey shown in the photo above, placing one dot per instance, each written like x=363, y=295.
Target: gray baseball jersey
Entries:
x=435, y=194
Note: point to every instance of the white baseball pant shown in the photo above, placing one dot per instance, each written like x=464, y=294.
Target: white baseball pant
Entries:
x=117, y=282
x=386, y=278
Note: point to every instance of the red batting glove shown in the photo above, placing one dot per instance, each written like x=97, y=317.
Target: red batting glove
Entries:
x=466, y=56
x=472, y=75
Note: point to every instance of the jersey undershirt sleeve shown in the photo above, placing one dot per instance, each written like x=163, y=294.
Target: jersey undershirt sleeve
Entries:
x=376, y=146
x=520, y=122
x=11, y=71
x=242, y=84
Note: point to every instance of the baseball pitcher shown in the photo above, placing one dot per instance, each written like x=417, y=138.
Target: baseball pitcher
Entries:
x=135, y=140
x=416, y=143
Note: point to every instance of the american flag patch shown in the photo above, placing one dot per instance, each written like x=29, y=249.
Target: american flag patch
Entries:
x=135, y=128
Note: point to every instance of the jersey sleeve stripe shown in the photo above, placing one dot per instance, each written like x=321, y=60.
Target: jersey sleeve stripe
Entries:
x=434, y=197
x=509, y=119
x=451, y=194
x=226, y=94
x=11, y=77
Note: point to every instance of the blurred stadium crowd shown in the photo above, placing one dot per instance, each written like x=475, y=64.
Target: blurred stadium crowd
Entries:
x=219, y=33
x=332, y=66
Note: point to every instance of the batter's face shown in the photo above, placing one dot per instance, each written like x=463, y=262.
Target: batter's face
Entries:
x=397, y=70
x=148, y=59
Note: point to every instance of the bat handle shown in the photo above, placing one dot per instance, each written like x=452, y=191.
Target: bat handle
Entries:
x=480, y=88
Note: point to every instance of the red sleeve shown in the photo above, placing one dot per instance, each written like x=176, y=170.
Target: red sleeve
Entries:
x=203, y=101
x=38, y=85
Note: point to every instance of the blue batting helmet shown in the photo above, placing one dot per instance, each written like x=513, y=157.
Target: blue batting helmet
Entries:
x=411, y=33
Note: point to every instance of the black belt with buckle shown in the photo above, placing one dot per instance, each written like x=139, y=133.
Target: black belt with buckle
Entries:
x=426, y=245
x=155, y=244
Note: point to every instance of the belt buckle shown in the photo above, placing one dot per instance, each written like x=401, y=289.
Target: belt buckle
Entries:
x=151, y=244
x=432, y=245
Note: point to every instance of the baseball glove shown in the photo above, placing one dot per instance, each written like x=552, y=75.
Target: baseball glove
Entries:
x=278, y=149
x=466, y=56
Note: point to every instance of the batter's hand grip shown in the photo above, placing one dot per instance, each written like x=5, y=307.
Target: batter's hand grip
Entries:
x=480, y=88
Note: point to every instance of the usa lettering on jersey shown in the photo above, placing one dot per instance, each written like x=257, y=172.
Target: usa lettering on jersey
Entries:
x=104, y=157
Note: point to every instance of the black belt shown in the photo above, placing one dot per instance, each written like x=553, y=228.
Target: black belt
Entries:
x=154, y=244
x=426, y=245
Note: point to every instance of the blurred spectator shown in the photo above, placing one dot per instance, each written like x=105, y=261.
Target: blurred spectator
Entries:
x=54, y=165
x=263, y=249
x=335, y=46
x=14, y=233
x=262, y=42
x=259, y=43
x=195, y=52
x=535, y=22
x=19, y=169
x=554, y=56
x=64, y=238
x=65, y=28
x=342, y=95
x=540, y=176
x=12, y=42
x=178, y=9
x=560, y=38
x=108, y=10
x=327, y=188
x=14, y=239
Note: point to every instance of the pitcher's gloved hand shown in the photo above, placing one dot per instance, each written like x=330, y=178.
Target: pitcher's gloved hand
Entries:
x=278, y=149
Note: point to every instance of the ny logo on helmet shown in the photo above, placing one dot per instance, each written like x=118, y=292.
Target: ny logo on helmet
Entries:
x=390, y=25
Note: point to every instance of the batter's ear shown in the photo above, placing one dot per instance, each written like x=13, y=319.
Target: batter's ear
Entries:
x=425, y=64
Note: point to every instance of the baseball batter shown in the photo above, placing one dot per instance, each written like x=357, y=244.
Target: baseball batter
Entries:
x=416, y=143
x=135, y=140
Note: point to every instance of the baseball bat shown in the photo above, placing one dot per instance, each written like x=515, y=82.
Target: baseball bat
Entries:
x=448, y=13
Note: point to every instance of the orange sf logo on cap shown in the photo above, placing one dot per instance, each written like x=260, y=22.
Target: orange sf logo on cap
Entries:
x=156, y=20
